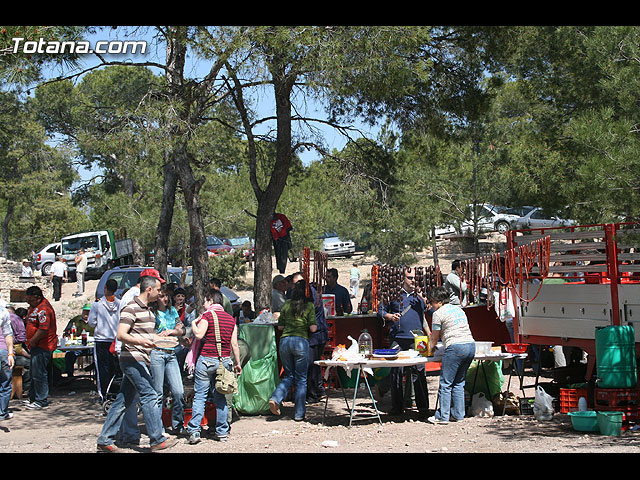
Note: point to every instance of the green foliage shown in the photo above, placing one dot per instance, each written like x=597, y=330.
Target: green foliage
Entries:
x=229, y=268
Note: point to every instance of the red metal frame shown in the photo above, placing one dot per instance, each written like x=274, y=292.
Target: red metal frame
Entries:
x=614, y=278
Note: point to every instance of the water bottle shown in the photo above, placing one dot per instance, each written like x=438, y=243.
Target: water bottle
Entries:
x=365, y=343
x=582, y=404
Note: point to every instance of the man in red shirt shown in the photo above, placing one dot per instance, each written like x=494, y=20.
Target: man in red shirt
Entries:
x=42, y=341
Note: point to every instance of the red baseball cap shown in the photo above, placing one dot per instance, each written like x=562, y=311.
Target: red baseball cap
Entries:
x=152, y=272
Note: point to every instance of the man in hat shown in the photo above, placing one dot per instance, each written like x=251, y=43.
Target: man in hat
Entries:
x=81, y=324
x=278, y=292
x=27, y=271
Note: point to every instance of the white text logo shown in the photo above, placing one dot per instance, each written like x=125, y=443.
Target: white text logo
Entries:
x=113, y=47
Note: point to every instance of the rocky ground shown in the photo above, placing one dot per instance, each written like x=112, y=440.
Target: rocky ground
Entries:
x=73, y=421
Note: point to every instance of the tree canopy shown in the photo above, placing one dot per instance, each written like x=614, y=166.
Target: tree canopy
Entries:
x=518, y=115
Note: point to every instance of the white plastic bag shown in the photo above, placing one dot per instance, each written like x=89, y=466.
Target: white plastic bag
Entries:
x=265, y=317
x=543, y=405
x=481, y=406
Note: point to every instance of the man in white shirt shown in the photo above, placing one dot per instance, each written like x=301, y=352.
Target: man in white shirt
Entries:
x=454, y=284
x=58, y=275
x=81, y=268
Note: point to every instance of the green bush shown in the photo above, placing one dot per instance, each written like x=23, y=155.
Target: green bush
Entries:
x=228, y=268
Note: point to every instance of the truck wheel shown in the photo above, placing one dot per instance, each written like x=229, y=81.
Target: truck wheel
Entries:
x=46, y=269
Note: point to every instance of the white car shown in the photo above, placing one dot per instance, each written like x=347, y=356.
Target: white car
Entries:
x=334, y=247
x=45, y=258
x=539, y=218
x=490, y=218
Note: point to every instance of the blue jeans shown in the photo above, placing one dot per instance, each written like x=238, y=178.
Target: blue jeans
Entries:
x=204, y=380
x=164, y=364
x=5, y=381
x=136, y=383
x=40, y=361
x=294, y=355
x=455, y=362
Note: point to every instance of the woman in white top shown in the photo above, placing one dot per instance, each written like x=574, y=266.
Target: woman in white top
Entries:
x=449, y=323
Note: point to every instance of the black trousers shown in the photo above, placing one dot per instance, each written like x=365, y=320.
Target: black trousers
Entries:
x=57, y=287
x=105, y=366
x=315, y=383
x=417, y=376
x=281, y=249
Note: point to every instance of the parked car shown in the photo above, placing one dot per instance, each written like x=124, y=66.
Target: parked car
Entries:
x=215, y=246
x=519, y=211
x=245, y=243
x=540, y=218
x=45, y=258
x=127, y=276
x=334, y=247
x=490, y=218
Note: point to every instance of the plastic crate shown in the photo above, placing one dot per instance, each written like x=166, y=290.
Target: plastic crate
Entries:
x=625, y=400
x=526, y=406
x=616, y=397
x=569, y=398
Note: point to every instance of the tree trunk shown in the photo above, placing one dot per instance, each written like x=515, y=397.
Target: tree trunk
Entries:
x=5, y=227
x=268, y=199
x=161, y=257
x=197, y=239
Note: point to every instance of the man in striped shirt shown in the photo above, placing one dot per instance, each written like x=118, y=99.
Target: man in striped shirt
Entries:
x=136, y=331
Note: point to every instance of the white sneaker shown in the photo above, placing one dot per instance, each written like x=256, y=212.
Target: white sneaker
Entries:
x=437, y=421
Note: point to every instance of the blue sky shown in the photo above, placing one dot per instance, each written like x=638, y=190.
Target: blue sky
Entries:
x=198, y=69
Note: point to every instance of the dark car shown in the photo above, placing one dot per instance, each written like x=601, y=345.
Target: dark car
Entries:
x=127, y=276
x=216, y=246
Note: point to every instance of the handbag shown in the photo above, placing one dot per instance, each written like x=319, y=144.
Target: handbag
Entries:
x=226, y=381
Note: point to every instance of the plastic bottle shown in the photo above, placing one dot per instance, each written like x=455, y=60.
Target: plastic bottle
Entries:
x=73, y=332
x=364, y=306
x=84, y=337
x=582, y=404
x=365, y=343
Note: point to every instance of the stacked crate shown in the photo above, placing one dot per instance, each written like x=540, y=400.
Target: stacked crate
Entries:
x=625, y=400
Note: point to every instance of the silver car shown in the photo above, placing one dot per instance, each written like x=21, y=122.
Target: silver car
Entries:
x=45, y=258
x=539, y=218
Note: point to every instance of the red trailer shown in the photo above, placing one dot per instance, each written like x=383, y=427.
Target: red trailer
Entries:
x=596, y=283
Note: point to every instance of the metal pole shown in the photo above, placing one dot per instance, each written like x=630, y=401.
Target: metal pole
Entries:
x=612, y=270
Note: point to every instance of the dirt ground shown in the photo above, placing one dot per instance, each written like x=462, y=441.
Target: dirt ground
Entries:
x=73, y=421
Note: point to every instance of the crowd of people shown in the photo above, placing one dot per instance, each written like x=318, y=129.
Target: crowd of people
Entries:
x=153, y=338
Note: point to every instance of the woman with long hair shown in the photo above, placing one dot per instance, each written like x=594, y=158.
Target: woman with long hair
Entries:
x=297, y=319
x=164, y=361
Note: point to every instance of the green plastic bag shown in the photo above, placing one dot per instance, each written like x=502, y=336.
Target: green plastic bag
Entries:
x=488, y=373
x=259, y=377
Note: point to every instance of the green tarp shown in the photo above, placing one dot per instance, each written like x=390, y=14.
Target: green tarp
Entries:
x=259, y=377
